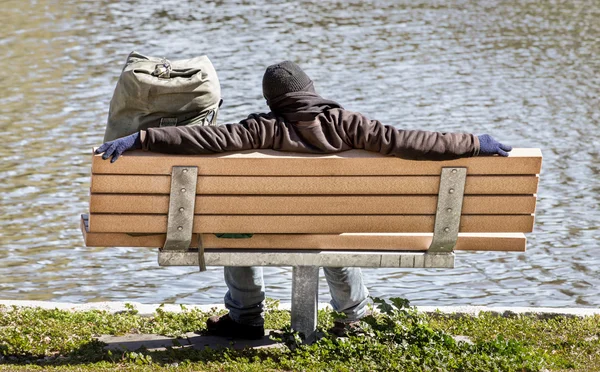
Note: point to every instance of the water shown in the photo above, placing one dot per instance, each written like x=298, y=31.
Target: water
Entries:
x=526, y=72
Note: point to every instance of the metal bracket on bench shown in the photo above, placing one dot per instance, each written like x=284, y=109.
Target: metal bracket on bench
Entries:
x=449, y=209
x=180, y=220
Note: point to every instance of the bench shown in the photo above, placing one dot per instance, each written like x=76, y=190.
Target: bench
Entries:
x=354, y=208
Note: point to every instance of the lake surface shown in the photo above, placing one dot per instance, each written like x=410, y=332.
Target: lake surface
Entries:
x=527, y=72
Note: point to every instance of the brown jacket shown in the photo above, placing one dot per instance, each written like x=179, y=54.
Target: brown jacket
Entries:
x=331, y=131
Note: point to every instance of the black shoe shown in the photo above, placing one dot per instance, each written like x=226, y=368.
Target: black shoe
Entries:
x=342, y=329
x=224, y=326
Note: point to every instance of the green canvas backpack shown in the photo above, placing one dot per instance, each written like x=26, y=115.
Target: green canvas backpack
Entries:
x=156, y=92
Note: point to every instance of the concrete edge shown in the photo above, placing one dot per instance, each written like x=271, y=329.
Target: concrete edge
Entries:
x=149, y=309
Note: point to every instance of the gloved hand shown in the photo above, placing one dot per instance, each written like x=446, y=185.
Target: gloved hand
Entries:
x=489, y=146
x=120, y=145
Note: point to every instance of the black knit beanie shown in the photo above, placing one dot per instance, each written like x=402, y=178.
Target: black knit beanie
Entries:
x=284, y=77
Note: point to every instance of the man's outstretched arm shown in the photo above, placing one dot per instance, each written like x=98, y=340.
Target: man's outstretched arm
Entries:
x=193, y=140
x=372, y=135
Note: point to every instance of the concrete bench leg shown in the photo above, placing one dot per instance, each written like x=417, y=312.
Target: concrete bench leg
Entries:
x=305, y=292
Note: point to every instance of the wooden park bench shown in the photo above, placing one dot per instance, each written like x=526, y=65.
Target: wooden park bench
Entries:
x=354, y=208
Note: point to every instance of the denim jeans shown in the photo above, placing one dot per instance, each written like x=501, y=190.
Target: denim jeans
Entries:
x=246, y=294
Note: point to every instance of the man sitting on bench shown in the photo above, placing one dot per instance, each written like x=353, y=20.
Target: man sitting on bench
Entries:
x=300, y=121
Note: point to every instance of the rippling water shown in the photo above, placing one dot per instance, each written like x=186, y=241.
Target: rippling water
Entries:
x=526, y=72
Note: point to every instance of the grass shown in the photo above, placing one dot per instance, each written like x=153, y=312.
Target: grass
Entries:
x=396, y=338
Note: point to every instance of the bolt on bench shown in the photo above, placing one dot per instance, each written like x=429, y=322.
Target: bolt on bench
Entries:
x=354, y=208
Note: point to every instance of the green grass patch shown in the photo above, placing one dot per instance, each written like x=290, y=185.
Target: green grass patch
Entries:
x=396, y=338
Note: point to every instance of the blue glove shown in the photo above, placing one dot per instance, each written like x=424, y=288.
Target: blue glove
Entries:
x=120, y=145
x=489, y=146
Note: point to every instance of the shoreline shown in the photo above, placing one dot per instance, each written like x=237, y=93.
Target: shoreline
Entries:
x=149, y=309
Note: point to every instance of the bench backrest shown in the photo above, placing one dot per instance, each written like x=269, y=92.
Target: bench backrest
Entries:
x=368, y=198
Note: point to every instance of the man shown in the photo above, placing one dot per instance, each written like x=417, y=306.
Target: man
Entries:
x=300, y=121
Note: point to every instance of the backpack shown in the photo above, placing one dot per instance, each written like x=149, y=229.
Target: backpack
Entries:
x=156, y=92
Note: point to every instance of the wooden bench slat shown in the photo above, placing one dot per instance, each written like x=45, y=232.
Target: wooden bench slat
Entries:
x=385, y=185
x=392, y=241
x=309, y=224
x=353, y=162
x=291, y=205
